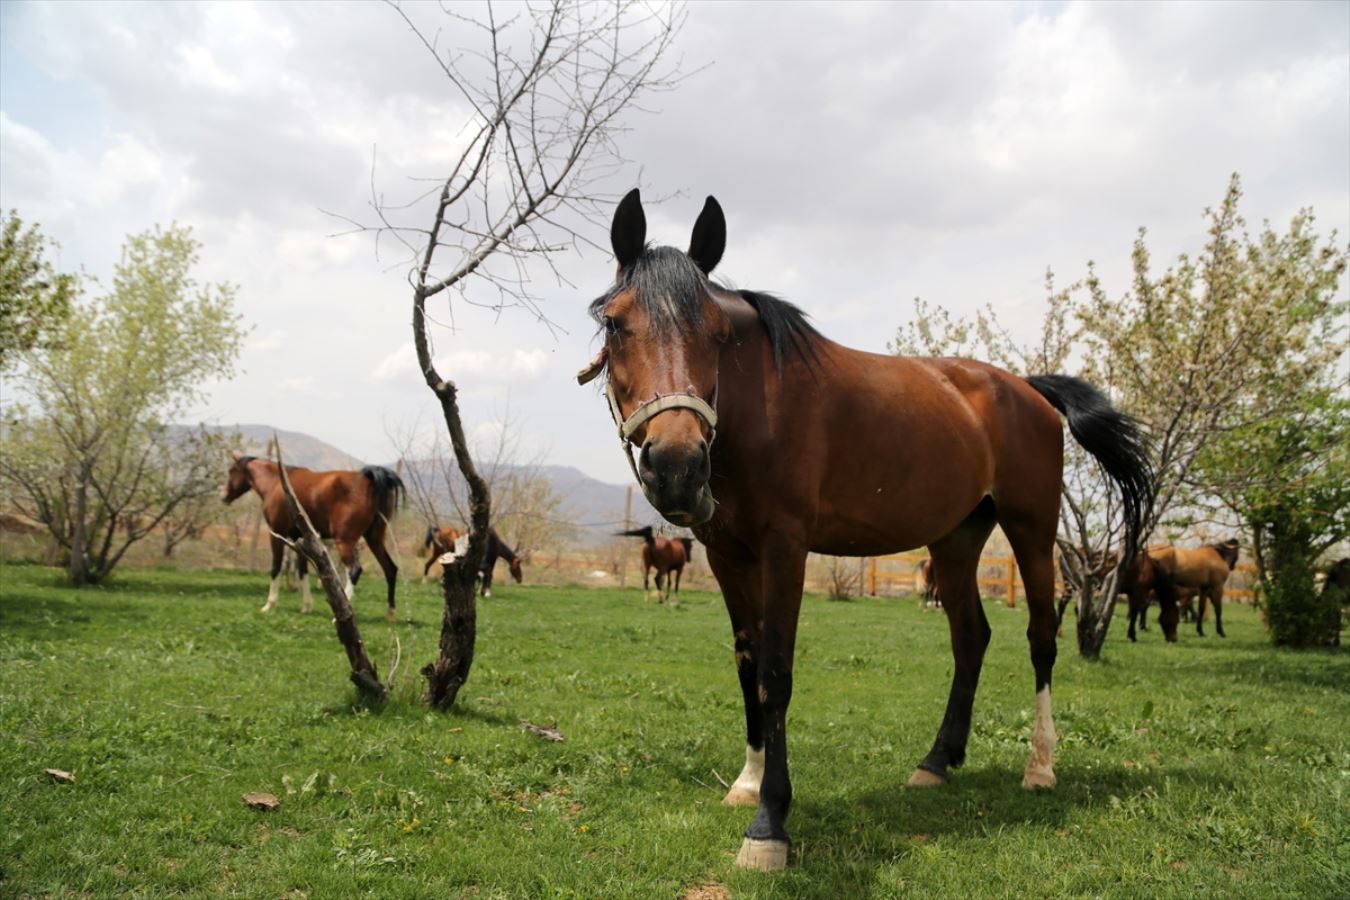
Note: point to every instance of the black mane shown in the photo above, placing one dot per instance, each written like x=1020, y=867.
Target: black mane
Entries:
x=668, y=283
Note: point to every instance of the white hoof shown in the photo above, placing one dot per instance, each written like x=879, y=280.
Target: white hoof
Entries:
x=267, y=608
x=389, y=615
x=925, y=778
x=739, y=796
x=763, y=856
x=1038, y=778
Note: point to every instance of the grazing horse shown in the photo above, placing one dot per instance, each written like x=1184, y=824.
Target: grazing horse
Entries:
x=437, y=543
x=343, y=505
x=1138, y=581
x=496, y=547
x=665, y=555
x=832, y=450
x=1204, y=568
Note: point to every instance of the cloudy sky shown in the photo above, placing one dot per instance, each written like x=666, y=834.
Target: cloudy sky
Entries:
x=864, y=154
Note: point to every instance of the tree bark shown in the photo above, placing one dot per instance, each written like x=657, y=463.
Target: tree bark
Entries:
x=1097, y=604
x=364, y=675
x=459, y=620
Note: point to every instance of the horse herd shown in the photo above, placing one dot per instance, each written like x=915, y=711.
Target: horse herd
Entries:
x=348, y=505
x=742, y=422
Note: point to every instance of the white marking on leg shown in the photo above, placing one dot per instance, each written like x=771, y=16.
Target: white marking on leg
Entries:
x=272, y=591
x=745, y=790
x=1040, y=770
x=307, y=604
x=350, y=589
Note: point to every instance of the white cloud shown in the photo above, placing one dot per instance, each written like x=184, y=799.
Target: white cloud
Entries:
x=401, y=361
x=864, y=153
x=273, y=340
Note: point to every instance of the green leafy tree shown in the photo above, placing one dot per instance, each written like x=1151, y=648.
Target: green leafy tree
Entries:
x=1283, y=465
x=34, y=298
x=1229, y=359
x=91, y=451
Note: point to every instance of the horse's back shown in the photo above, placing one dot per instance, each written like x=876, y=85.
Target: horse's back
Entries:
x=931, y=434
x=336, y=500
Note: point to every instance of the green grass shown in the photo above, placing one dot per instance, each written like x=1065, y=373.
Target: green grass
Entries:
x=1211, y=767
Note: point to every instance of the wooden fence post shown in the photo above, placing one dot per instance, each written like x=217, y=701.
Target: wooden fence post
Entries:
x=1012, y=581
x=872, y=575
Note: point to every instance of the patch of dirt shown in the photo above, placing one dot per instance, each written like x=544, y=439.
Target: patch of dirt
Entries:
x=712, y=890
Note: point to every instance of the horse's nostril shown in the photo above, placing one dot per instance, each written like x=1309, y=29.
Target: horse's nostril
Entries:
x=645, y=461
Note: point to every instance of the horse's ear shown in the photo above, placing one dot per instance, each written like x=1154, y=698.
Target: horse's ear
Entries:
x=710, y=236
x=628, y=231
x=234, y=455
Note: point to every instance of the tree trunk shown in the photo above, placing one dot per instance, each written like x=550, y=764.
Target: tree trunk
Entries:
x=459, y=620
x=364, y=675
x=79, y=567
x=1096, y=606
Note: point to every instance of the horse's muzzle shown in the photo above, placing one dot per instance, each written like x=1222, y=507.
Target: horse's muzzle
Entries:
x=674, y=478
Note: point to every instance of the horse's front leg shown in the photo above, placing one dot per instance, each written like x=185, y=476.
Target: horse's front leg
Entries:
x=273, y=589
x=1218, y=611
x=782, y=571
x=740, y=584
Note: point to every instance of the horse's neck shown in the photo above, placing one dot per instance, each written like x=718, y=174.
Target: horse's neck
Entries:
x=263, y=476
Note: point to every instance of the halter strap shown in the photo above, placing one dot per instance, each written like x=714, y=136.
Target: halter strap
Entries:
x=650, y=409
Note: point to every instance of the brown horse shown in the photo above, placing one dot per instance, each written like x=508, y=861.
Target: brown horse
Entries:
x=665, y=555
x=1204, y=568
x=1138, y=581
x=343, y=505
x=499, y=549
x=827, y=449
x=437, y=543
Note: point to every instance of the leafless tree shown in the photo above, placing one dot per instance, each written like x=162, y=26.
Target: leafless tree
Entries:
x=548, y=86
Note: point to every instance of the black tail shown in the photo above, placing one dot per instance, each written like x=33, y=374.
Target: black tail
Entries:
x=1114, y=440
x=389, y=490
x=645, y=532
x=688, y=546
x=430, y=538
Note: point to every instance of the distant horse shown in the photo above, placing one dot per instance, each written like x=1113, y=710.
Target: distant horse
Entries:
x=496, y=547
x=343, y=505
x=665, y=555
x=928, y=585
x=831, y=450
x=437, y=543
x=1138, y=582
x=1204, y=568
x=1071, y=574
x=1336, y=595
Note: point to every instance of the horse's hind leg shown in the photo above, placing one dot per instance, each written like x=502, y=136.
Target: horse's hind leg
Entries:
x=956, y=558
x=375, y=540
x=1033, y=544
x=278, y=551
x=347, y=553
x=302, y=573
x=1218, y=611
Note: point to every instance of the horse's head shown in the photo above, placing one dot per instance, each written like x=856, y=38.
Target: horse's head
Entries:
x=514, y=567
x=662, y=331
x=238, y=483
x=1228, y=550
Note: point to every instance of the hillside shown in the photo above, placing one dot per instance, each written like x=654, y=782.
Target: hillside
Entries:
x=299, y=449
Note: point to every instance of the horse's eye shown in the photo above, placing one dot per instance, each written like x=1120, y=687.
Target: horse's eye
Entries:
x=611, y=326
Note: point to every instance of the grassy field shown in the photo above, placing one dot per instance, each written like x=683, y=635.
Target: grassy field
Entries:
x=1199, y=769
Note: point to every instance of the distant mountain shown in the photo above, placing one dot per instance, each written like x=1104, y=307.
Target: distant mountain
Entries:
x=594, y=507
x=297, y=448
